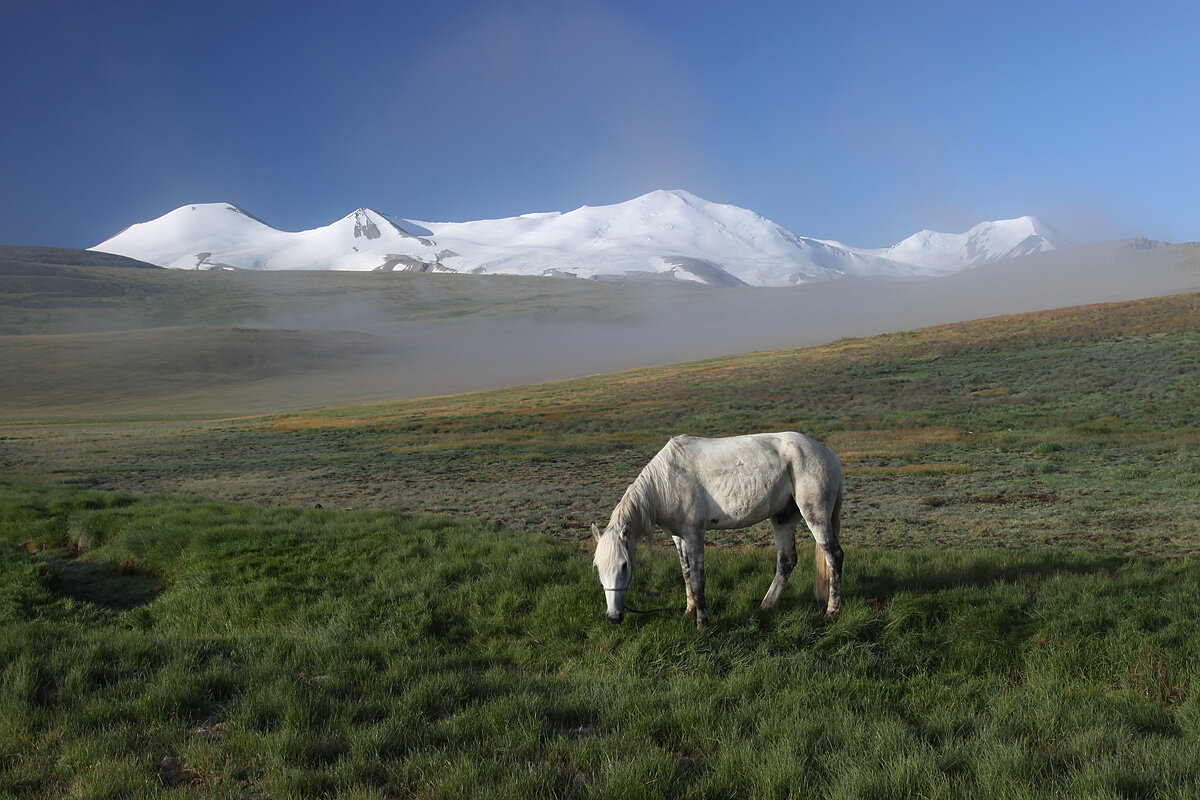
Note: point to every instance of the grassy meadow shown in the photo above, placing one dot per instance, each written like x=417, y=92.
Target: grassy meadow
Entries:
x=396, y=600
x=311, y=653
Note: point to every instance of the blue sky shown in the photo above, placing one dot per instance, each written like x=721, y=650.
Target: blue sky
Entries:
x=857, y=121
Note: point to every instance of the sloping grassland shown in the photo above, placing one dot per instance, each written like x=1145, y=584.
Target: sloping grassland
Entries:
x=1073, y=427
x=1021, y=536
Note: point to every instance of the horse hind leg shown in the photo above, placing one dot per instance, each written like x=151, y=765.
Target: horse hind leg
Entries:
x=783, y=528
x=827, y=560
x=827, y=572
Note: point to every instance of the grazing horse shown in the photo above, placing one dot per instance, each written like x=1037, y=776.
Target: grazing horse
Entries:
x=696, y=484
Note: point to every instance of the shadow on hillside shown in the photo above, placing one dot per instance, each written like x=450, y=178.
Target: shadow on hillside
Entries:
x=883, y=575
x=102, y=585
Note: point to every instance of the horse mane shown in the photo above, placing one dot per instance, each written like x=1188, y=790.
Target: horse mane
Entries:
x=637, y=509
x=630, y=520
x=633, y=517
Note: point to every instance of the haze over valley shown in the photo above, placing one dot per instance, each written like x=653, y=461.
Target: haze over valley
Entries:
x=83, y=336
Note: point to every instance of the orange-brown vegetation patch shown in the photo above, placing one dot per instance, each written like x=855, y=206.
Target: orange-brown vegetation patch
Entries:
x=865, y=444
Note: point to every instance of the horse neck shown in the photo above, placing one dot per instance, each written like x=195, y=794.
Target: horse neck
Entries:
x=635, y=512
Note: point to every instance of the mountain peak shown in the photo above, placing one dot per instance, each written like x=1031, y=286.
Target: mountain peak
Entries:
x=366, y=223
x=216, y=209
x=983, y=243
x=668, y=233
x=677, y=194
x=368, y=213
x=1030, y=226
x=659, y=198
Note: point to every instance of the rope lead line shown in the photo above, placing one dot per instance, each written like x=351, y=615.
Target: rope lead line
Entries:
x=633, y=610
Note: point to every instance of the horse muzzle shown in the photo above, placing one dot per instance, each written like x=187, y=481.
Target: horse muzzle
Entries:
x=615, y=617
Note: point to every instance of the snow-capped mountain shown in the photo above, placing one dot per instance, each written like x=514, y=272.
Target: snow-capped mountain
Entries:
x=986, y=242
x=670, y=234
x=219, y=235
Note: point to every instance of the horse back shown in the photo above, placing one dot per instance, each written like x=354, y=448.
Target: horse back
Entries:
x=740, y=480
x=794, y=451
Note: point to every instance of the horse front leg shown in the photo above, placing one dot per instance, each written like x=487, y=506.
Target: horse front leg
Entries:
x=785, y=559
x=687, y=579
x=693, y=546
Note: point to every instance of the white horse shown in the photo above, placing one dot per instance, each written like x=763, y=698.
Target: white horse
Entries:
x=696, y=484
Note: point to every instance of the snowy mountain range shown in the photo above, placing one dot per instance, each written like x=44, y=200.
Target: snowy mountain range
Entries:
x=663, y=234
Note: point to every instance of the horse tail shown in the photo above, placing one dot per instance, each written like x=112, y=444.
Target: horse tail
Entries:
x=835, y=519
x=820, y=575
x=820, y=565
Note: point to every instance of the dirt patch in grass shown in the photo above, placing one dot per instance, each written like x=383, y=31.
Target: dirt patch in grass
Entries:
x=1018, y=496
x=915, y=469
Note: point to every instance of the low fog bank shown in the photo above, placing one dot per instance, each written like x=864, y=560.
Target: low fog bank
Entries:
x=452, y=334
x=451, y=357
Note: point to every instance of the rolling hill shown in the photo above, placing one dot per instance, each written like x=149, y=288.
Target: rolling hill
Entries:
x=77, y=338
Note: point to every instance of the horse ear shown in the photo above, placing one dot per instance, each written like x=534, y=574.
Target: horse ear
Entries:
x=595, y=532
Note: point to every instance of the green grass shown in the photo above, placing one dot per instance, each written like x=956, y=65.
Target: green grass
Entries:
x=1021, y=534
x=303, y=653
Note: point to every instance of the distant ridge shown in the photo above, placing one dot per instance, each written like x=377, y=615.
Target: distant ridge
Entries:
x=667, y=235
x=12, y=255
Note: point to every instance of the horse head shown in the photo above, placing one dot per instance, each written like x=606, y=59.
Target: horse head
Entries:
x=614, y=564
